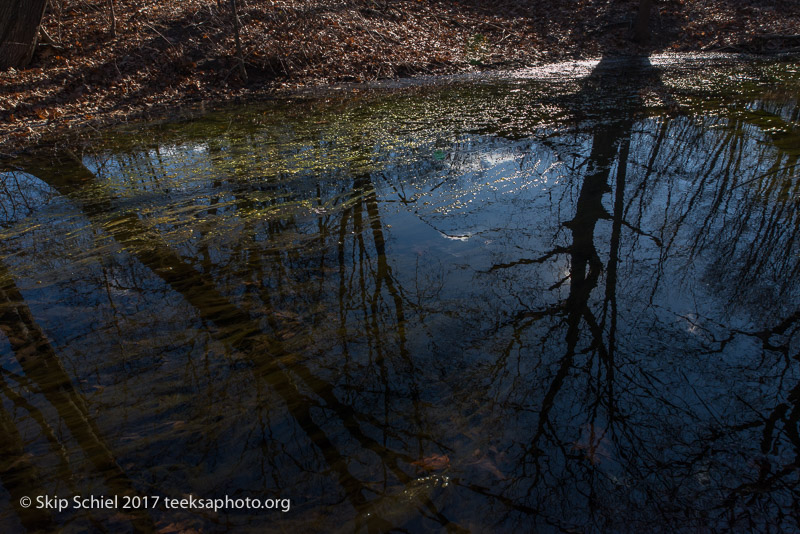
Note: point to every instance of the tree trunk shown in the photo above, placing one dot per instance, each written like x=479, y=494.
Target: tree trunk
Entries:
x=113, y=18
x=239, y=53
x=642, y=26
x=19, y=26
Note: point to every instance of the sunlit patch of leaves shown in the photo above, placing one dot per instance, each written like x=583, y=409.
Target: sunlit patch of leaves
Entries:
x=169, y=55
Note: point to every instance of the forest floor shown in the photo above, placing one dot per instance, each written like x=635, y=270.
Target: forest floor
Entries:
x=151, y=59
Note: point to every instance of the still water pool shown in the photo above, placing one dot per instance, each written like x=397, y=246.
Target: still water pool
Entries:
x=559, y=300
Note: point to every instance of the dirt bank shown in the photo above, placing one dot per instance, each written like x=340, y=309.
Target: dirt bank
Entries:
x=166, y=56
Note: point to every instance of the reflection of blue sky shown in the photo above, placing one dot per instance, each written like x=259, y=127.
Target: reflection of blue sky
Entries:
x=273, y=219
x=21, y=195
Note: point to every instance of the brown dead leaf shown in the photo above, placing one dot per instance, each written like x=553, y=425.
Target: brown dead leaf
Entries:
x=180, y=527
x=488, y=465
x=22, y=459
x=434, y=462
x=593, y=443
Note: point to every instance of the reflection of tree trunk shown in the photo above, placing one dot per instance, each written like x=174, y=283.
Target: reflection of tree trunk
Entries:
x=20, y=477
x=384, y=277
x=384, y=274
x=585, y=264
x=613, y=259
x=611, y=141
x=236, y=328
x=614, y=85
x=42, y=366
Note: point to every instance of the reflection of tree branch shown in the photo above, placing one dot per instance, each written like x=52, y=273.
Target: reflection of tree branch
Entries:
x=527, y=261
x=20, y=477
x=611, y=141
x=535, y=315
x=771, y=172
x=21, y=402
x=642, y=233
x=642, y=186
x=42, y=366
x=235, y=328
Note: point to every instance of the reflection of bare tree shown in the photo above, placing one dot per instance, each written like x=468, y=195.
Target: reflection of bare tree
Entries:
x=610, y=141
x=611, y=368
x=273, y=361
x=773, y=471
x=20, y=476
x=595, y=325
x=14, y=204
x=45, y=375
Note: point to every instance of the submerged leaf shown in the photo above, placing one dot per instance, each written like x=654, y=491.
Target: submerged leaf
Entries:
x=434, y=462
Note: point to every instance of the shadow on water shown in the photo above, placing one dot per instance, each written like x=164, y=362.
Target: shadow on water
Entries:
x=44, y=375
x=402, y=318
x=235, y=327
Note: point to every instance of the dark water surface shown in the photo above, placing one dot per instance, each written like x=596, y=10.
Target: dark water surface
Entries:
x=553, y=301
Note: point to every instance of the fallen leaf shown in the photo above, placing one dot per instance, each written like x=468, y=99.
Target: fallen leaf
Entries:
x=434, y=462
x=594, y=444
x=488, y=465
